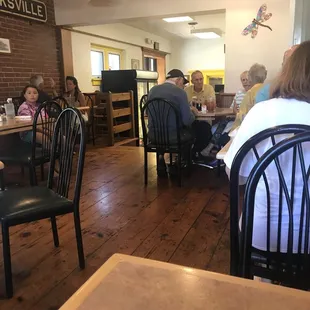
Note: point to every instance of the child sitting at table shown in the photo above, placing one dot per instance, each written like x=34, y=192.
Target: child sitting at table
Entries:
x=29, y=108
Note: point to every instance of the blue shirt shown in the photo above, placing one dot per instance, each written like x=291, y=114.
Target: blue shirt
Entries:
x=263, y=94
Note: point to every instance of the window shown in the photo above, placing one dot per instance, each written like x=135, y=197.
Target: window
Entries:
x=104, y=58
x=114, y=61
x=97, y=63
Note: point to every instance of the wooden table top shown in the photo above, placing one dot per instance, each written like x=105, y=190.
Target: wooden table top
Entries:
x=15, y=125
x=218, y=112
x=127, y=282
x=221, y=154
x=19, y=125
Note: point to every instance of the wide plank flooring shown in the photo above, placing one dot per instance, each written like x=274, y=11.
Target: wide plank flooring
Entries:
x=186, y=226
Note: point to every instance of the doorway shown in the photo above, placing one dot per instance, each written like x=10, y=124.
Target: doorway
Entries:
x=155, y=61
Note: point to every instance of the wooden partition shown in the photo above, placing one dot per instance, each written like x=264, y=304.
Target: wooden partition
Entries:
x=116, y=110
x=224, y=100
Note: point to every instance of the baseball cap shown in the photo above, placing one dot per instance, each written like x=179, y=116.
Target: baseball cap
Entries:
x=176, y=73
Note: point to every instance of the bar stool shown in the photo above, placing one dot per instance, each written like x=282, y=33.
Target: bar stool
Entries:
x=1, y=176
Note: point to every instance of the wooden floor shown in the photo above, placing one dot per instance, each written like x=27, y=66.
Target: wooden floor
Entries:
x=186, y=226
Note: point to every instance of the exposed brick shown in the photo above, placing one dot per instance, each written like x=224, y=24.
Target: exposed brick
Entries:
x=35, y=49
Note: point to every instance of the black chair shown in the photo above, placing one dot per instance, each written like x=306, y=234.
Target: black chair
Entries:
x=18, y=101
x=90, y=125
x=249, y=146
x=62, y=102
x=285, y=259
x=161, y=140
x=35, y=203
x=34, y=154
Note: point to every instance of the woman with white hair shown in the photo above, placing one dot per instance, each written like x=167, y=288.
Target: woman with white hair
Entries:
x=257, y=76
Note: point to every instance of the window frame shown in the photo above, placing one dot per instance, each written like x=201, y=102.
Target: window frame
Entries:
x=106, y=50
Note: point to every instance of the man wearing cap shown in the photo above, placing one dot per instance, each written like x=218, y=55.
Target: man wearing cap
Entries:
x=173, y=90
x=200, y=91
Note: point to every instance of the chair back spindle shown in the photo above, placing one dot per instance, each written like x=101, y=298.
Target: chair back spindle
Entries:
x=287, y=254
x=69, y=134
x=250, y=148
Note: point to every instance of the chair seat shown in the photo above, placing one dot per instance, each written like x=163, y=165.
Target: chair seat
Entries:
x=32, y=203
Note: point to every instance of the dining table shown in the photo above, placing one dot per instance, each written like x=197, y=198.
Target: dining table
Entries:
x=218, y=112
x=22, y=123
x=128, y=282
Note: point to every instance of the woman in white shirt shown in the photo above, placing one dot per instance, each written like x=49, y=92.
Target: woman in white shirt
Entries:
x=290, y=95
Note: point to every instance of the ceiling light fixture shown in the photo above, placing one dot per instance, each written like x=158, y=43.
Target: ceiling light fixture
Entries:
x=206, y=33
x=179, y=19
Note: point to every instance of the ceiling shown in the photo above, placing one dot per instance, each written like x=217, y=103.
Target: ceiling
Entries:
x=155, y=25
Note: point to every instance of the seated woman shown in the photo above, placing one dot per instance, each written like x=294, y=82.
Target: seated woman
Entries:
x=73, y=95
x=289, y=104
x=29, y=108
x=257, y=76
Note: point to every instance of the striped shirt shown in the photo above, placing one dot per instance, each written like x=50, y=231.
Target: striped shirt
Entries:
x=238, y=98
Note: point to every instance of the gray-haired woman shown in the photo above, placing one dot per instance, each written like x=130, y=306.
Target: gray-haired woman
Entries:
x=257, y=76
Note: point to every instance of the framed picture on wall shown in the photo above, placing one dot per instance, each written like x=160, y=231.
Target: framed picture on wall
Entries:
x=135, y=64
x=5, y=46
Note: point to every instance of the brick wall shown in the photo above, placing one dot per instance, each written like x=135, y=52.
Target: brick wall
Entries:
x=35, y=49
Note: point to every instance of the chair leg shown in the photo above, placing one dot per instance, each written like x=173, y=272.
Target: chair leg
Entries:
x=2, y=187
x=180, y=169
x=79, y=240
x=22, y=169
x=55, y=232
x=42, y=172
x=33, y=176
x=218, y=168
x=7, y=260
x=145, y=167
x=93, y=133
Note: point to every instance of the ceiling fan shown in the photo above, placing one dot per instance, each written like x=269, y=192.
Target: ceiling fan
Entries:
x=104, y=3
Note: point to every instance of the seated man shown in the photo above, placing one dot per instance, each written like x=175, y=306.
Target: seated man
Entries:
x=172, y=90
x=199, y=90
x=38, y=81
x=257, y=76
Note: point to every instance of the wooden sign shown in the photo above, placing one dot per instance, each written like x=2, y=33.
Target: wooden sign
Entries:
x=31, y=9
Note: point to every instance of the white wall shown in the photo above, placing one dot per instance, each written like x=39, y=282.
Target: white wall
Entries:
x=267, y=48
x=197, y=54
x=81, y=47
x=241, y=52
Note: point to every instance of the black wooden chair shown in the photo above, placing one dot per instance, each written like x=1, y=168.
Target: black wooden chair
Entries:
x=17, y=101
x=249, y=146
x=90, y=125
x=62, y=102
x=35, y=203
x=286, y=258
x=162, y=113
x=33, y=154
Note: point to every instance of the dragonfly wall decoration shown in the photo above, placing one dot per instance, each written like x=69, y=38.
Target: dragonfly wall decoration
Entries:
x=261, y=17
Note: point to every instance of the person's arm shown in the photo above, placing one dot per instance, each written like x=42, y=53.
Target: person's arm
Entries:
x=81, y=100
x=186, y=114
x=243, y=109
x=23, y=110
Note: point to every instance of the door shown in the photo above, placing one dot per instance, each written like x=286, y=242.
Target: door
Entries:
x=155, y=61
